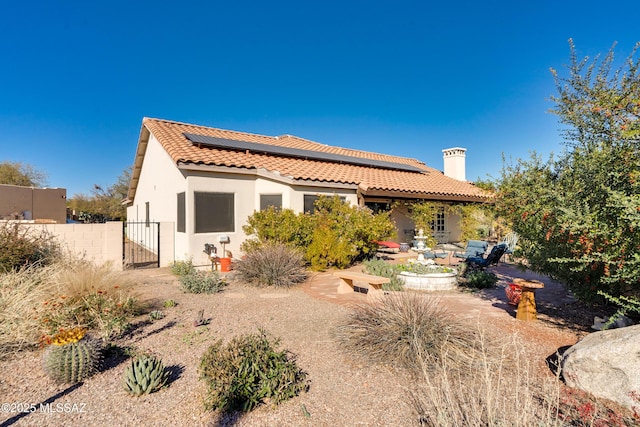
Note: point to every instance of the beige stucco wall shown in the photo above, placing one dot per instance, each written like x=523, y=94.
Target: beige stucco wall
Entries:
x=46, y=204
x=159, y=183
x=99, y=243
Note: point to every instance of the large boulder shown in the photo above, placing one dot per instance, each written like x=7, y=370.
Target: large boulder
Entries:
x=606, y=364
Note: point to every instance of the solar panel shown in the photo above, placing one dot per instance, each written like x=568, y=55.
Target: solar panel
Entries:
x=232, y=144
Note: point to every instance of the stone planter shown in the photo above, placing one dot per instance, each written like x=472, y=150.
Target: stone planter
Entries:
x=429, y=282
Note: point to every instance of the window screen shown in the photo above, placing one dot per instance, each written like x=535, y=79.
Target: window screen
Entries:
x=267, y=200
x=214, y=212
x=309, y=201
x=180, y=217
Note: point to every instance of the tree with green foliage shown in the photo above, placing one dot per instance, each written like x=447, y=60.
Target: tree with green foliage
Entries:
x=578, y=215
x=23, y=174
x=103, y=204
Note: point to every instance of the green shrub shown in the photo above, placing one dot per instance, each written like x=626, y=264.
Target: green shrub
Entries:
x=201, y=282
x=419, y=268
x=22, y=246
x=249, y=371
x=169, y=303
x=144, y=375
x=156, y=315
x=277, y=225
x=272, y=264
x=344, y=234
x=336, y=234
x=406, y=329
x=378, y=267
x=182, y=268
x=480, y=279
x=627, y=306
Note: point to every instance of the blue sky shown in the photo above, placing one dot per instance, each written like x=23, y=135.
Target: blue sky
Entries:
x=405, y=77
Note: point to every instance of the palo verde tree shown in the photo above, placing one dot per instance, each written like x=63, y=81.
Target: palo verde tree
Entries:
x=578, y=215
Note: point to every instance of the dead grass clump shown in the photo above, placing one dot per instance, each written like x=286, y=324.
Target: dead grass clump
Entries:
x=409, y=330
x=272, y=264
x=501, y=388
x=21, y=296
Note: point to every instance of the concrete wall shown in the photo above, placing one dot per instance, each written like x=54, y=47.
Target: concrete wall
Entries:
x=45, y=204
x=99, y=243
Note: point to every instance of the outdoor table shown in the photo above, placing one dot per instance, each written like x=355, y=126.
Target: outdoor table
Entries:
x=527, y=305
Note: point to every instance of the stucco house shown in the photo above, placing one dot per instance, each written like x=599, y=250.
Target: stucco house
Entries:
x=208, y=181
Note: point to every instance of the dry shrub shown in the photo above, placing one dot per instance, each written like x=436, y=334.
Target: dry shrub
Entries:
x=502, y=387
x=21, y=296
x=272, y=264
x=90, y=296
x=409, y=330
x=22, y=246
x=461, y=376
x=70, y=293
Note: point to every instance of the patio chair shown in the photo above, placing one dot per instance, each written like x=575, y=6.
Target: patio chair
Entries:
x=511, y=240
x=480, y=263
x=474, y=248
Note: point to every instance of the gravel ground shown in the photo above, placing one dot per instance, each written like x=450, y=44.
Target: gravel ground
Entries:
x=342, y=391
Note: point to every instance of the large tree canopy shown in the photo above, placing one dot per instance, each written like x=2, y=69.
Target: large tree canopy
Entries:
x=16, y=173
x=578, y=215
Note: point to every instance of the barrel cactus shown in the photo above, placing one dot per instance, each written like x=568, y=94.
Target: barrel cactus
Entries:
x=146, y=374
x=72, y=356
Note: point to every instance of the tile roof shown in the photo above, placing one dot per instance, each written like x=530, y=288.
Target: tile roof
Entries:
x=430, y=183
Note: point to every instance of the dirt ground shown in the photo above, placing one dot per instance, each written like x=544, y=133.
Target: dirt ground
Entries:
x=342, y=391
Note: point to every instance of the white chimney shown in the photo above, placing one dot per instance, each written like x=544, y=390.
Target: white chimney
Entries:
x=454, y=163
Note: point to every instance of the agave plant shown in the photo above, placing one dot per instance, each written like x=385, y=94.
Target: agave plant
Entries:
x=146, y=374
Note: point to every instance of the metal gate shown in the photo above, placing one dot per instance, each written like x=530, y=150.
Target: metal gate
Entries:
x=141, y=244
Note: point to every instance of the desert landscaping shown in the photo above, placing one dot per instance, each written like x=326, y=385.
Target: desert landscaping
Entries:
x=341, y=388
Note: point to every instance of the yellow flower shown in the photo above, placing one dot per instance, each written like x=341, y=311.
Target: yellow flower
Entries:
x=68, y=336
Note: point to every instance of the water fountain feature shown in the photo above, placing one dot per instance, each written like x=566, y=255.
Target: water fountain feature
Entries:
x=424, y=274
x=421, y=247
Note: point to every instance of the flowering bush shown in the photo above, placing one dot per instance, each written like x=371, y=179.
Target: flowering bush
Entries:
x=577, y=214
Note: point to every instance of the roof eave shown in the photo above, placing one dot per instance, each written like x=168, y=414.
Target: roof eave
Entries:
x=449, y=197
x=143, y=142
